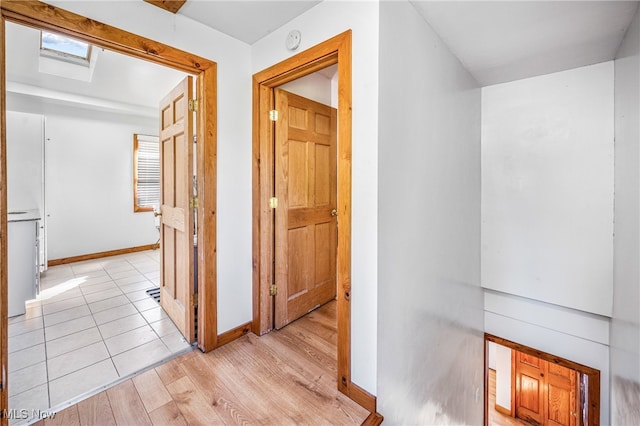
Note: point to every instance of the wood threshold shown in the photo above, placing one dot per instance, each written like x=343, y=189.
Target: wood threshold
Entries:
x=336, y=50
x=40, y=15
x=99, y=255
x=233, y=334
x=374, y=419
x=593, y=394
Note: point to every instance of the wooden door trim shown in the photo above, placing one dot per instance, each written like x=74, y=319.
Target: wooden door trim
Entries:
x=336, y=50
x=4, y=288
x=40, y=15
x=512, y=411
x=593, y=395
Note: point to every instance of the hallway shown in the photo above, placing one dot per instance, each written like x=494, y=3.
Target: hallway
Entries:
x=284, y=377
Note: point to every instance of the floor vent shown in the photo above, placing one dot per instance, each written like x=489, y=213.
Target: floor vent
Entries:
x=155, y=293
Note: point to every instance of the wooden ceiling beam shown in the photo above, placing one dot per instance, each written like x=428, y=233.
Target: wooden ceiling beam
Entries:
x=171, y=5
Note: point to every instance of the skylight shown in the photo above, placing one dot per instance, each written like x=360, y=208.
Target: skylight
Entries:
x=65, y=47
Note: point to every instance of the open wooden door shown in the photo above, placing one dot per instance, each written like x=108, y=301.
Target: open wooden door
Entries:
x=177, y=220
x=305, y=218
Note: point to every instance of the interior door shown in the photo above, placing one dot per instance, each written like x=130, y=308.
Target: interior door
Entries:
x=562, y=406
x=546, y=393
x=305, y=218
x=530, y=373
x=177, y=220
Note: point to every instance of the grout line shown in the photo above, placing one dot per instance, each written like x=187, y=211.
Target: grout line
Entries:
x=109, y=278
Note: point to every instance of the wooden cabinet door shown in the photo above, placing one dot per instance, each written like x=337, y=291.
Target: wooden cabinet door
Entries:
x=305, y=221
x=546, y=393
x=176, y=191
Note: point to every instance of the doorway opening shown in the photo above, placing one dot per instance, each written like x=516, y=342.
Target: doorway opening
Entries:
x=42, y=16
x=305, y=222
x=525, y=386
x=89, y=320
x=335, y=51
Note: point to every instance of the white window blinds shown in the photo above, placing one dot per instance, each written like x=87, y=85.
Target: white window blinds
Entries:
x=146, y=173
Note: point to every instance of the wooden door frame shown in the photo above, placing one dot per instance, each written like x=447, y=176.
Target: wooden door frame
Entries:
x=336, y=50
x=593, y=394
x=41, y=16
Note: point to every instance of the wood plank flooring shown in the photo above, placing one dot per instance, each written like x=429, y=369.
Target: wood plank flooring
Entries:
x=496, y=418
x=286, y=377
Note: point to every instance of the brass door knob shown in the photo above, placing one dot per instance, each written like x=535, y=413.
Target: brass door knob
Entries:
x=334, y=212
x=156, y=214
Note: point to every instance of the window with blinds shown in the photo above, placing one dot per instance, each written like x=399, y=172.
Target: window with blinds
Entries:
x=146, y=173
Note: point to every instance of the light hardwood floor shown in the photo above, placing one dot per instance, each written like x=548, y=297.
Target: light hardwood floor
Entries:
x=284, y=377
x=496, y=418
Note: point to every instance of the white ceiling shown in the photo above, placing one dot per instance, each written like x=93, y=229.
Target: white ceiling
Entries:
x=247, y=21
x=509, y=40
x=130, y=85
x=496, y=41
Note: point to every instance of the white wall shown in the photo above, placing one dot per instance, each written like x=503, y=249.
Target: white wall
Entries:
x=547, y=188
x=320, y=23
x=503, y=376
x=625, y=324
x=567, y=333
x=430, y=352
x=491, y=356
x=499, y=360
x=314, y=86
x=547, y=214
x=89, y=183
x=25, y=135
x=234, y=270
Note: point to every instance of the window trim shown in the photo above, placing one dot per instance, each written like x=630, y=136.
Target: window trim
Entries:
x=137, y=208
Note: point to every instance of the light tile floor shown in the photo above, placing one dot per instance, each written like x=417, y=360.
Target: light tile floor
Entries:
x=92, y=324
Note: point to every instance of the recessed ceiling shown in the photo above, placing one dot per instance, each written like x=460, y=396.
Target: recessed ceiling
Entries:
x=509, y=40
x=247, y=21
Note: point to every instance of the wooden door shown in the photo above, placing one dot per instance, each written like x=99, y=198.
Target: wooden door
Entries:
x=546, y=393
x=305, y=218
x=530, y=373
x=561, y=403
x=177, y=225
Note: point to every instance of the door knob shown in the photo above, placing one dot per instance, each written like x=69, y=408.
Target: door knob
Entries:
x=334, y=212
x=156, y=214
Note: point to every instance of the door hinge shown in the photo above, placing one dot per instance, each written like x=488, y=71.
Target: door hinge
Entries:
x=273, y=290
x=193, y=203
x=193, y=105
x=273, y=115
x=194, y=299
x=273, y=202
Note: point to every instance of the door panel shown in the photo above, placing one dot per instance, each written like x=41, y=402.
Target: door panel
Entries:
x=305, y=228
x=176, y=228
x=561, y=399
x=546, y=393
x=529, y=388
